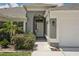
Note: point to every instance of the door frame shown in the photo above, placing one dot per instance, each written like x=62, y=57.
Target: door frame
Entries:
x=34, y=25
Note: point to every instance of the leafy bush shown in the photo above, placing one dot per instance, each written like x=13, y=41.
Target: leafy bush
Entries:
x=8, y=29
x=24, y=41
x=4, y=43
x=19, y=30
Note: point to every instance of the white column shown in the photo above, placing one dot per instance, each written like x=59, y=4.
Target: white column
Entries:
x=48, y=24
x=24, y=26
x=49, y=28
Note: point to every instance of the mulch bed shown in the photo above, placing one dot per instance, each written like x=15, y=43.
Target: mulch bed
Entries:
x=9, y=48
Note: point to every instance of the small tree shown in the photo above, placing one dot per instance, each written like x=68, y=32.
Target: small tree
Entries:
x=8, y=29
x=8, y=26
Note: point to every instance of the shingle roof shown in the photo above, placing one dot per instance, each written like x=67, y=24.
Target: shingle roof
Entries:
x=17, y=13
x=68, y=6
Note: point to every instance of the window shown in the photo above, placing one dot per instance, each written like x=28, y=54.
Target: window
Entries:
x=53, y=27
x=19, y=24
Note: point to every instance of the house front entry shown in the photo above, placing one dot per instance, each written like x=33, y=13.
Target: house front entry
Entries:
x=39, y=27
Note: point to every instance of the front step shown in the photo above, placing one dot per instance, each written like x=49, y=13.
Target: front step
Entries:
x=54, y=44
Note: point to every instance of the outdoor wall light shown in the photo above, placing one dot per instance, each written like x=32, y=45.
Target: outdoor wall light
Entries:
x=53, y=22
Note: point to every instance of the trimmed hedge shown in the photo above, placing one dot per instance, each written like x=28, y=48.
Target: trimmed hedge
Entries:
x=24, y=41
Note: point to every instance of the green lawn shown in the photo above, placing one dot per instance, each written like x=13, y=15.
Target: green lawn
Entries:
x=15, y=53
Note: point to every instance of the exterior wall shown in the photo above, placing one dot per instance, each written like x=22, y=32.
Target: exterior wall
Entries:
x=30, y=15
x=67, y=27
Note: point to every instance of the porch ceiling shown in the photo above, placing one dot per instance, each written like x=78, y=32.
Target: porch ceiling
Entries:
x=39, y=7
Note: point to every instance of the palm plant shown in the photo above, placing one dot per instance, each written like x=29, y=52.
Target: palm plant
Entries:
x=8, y=29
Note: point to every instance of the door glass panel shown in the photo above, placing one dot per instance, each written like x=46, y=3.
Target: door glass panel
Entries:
x=53, y=28
x=40, y=30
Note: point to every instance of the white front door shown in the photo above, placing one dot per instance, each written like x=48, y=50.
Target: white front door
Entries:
x=40, y=29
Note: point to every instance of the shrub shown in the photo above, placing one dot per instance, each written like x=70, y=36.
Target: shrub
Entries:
x=30, y=40
x=4, y=43
x=24, y=41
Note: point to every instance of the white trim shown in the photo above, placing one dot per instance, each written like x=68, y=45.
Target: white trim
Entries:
x=24, y=26
x=51, y=40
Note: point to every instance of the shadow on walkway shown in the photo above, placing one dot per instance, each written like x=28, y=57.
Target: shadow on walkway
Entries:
x=41, y=40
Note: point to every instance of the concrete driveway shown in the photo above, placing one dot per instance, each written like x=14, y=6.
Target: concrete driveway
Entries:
x=70, y=51
x=66, y=52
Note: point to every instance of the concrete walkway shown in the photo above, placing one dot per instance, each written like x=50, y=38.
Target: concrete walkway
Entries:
x=43, y=49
